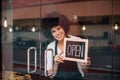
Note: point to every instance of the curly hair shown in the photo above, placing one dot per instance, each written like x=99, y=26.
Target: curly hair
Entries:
x=53, y=19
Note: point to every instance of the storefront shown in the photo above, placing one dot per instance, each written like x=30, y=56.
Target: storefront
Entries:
x=24, y=42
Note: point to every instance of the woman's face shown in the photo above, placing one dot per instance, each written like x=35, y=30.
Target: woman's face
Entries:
x=58, y=33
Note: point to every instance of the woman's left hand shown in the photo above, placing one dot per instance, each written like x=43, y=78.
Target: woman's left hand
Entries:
x=86, y=64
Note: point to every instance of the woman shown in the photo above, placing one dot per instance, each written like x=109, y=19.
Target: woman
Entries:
x=63, y=70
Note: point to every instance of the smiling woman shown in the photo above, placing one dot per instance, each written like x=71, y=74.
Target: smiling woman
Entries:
x=62, y=69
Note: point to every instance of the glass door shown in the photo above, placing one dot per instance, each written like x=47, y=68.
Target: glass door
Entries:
x=29, y=45
x=22, y=55
x=24, y=42
x=26, y=48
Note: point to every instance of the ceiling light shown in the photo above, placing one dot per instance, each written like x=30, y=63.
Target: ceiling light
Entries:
x=5, y=24
x=83, y=28
x=33, y=29
x=75, y=17
x=10, y=29
x=116, y=27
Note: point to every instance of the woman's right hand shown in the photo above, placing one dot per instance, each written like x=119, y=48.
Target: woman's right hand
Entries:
x=59, y=58
x=50, y=72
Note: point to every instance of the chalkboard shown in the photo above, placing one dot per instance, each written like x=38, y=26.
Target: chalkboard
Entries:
x=76, y=49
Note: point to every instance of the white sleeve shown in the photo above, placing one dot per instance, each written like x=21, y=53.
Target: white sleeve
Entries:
x=79, y=65
x=49, y=60
x=49, y=55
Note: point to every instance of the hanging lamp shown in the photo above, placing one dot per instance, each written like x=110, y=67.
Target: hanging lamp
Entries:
x=33, y=29
x=5, y=23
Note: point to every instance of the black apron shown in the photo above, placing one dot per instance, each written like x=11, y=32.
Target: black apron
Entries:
x=67, y=70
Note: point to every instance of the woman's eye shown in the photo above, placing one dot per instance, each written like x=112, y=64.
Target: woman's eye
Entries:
x=52, y=31
x=58, y=28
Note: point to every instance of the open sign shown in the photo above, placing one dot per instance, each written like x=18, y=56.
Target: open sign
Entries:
x=76, y=49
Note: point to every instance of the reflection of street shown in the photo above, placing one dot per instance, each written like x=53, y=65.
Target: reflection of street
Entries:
x=101, y=63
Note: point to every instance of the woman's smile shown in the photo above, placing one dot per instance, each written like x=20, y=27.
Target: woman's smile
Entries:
x=59, y=35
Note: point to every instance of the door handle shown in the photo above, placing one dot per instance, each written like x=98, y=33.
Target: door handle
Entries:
x=48, y=54
x=28, y=59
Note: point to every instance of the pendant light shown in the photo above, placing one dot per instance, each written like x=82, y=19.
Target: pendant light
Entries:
x=33, y=26
x=10, y=29
x=5, y=23
x=33, y=29
x=83, y=28
x=116, y=27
